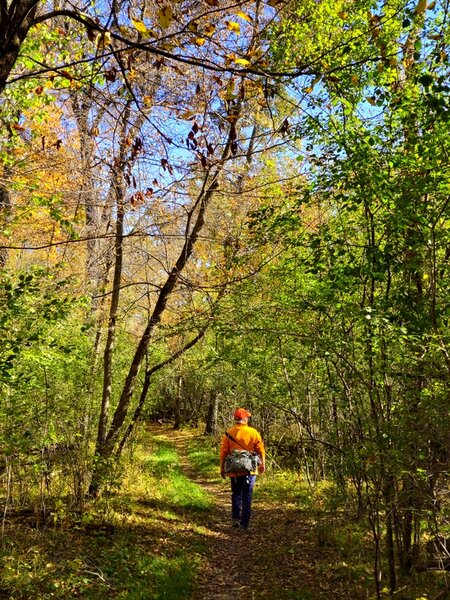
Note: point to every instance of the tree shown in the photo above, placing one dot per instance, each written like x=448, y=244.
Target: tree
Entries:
x=372, y=283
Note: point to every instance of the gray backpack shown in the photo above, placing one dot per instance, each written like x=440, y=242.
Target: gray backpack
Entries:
x=239, y=461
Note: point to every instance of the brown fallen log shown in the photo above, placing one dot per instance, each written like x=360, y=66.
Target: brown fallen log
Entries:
x=433, y=564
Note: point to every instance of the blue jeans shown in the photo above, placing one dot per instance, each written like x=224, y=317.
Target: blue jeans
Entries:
x=241, y=498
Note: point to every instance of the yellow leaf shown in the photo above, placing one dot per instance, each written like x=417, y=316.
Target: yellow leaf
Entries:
x=210, y=29
x=275, y=3
x=193, y=26
x=233, y=26
x=242, y=61
x=200, y=41
x=343, y=15
x=165, y=16
x=104, y=39
x=139, y=25
x=244, y=16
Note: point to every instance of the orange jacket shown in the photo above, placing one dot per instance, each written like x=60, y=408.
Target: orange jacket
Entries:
x=247, y=436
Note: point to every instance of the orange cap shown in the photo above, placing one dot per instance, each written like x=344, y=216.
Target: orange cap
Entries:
x=241, y=413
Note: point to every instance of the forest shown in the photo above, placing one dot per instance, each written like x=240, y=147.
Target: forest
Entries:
x=212, y=204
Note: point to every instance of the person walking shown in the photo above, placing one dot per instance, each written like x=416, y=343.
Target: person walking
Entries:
x=242, y=437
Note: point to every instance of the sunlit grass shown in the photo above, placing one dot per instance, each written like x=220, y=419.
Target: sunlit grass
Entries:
x=287, y=487
x=204, y=456
x=171, y=485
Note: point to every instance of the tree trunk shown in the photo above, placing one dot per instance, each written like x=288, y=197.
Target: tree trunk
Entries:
x=213, y=411
x=389, y=494
x=178, y=402
x=5, y=210
x=195, y=222
x=110, y=338
x=88, y=192
x=15, y=22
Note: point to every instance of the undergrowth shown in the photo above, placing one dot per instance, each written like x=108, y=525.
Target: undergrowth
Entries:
x=126, y=545
x=147, y=538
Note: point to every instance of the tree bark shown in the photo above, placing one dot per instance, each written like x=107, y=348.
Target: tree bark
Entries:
x=15, y=22
x=178, y=402
x=213, y=411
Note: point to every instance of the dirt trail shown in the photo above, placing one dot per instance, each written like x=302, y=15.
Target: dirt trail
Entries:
x=277, y=559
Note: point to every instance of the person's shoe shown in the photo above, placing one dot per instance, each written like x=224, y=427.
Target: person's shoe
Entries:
x=243, y=529
x=235, y=523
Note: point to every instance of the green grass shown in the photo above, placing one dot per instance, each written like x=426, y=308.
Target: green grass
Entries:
x=162, y=458
x=203, y=455
x=286, y=487
x=140, y=541
x=174, y=488
x=119, y=567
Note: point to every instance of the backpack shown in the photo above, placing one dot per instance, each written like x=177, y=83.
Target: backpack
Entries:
x=239, y=461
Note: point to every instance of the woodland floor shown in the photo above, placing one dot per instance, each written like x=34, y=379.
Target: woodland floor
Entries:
x=147, y=544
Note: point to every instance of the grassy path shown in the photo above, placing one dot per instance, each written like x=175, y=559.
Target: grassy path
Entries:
x=161, y=531
x=278, y=559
